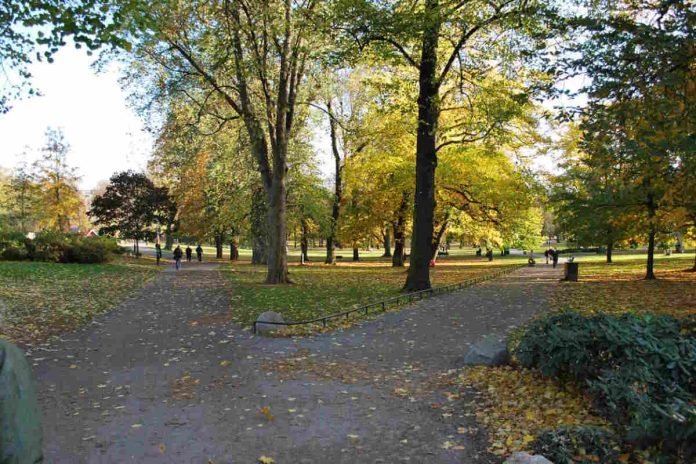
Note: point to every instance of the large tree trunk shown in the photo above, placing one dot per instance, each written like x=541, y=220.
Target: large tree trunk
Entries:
x=694, y=268
x=399, y=227
x=387, y=243
x=650, y=271
x=304, y=241
x=234, y=251
x=169, y=239
x=259, y=229
x=356, y=253
x=610, y=249
x=438, y=239
x=219, y=242
x=426, y=154
x=338, y=190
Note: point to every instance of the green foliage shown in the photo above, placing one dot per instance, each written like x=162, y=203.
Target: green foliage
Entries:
x=578, y=445
x=54, y=246
x=641, y=370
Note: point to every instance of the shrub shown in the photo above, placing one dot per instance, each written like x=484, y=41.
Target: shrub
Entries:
x=641, y=370
x=578, y=445
x=89, y=250
x=13, y=254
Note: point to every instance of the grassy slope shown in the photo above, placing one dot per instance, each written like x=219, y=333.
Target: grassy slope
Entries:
x=44, y=299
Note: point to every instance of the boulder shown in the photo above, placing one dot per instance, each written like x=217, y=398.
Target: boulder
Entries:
x=526, y=458
x=489, y=351
x=20, y=422
x=268, y=316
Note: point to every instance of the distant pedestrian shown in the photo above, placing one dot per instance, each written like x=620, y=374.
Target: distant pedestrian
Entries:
x=546, y=255
x=189, y=252
x=554, y=257
x=199, y=253
x=489, y=254
x=177, y=256
x=158, y=252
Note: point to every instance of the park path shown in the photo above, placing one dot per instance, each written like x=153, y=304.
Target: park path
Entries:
x=165, y=378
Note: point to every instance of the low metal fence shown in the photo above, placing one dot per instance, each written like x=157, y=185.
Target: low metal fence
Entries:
x=395, y=302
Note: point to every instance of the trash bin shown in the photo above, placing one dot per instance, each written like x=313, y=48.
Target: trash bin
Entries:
x=571, y=272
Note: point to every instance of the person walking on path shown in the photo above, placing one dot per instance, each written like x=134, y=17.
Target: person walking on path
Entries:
x=554, y=257
x=188, y=253
x=177, y=256
x=158, y=252
x=546, y=255
x=199, y=253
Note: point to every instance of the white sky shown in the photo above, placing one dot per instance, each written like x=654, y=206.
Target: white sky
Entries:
x=104, y=134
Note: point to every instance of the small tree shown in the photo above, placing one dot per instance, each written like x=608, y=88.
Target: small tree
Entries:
x=129, y=206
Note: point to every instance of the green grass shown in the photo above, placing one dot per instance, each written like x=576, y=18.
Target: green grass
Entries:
x=44, y=299
x=319, y=290
x=620, y=287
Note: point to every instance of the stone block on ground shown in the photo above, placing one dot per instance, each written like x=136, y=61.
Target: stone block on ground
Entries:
x=20, y=421
x=489, y=351
x=526, y=458
x=269, y=316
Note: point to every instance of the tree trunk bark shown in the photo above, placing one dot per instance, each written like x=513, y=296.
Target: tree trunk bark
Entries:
x=399, y=227
x=218, y=245
x=234, y=251
x=426, y=153
x=338, y=190
x=277, y=218
x=169, y=239
x=610, y=249
x=259, y=229
x=387, y=243
x=650, y=271
x=304, y=241
x=438, y=239
x=356, y=253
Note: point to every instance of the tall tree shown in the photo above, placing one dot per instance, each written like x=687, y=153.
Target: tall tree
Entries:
x=61, y=201
x=19, y=199
x=130, y=207
x=440, y=40
x=250, y=60
x=640, y=57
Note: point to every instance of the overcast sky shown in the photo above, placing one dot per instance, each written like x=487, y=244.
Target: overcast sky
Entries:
x=104, y=134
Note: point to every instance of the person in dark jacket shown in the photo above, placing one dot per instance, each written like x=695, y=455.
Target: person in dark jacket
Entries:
x=554, y=257
x=177, y=256
x=199, y=253
x=158, y=253
x=189, y=252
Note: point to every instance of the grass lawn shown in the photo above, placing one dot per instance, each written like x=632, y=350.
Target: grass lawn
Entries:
x=620, y=287
x=44, y=299
x=320, y=290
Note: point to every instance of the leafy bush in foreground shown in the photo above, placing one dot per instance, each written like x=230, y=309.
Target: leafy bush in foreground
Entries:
x=578, y=445
x=58, y=247
x=641, y=371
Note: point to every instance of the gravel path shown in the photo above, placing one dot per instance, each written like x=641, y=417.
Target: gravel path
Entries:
x=166, y=378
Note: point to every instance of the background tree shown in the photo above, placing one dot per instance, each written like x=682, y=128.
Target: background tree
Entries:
x=249, y=59
x=640, y=57
x=129, y=207
x=441, y=41
x=61, y=201
x=19, y=200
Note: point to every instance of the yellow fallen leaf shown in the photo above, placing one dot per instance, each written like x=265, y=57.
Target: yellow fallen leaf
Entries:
x=266, y=460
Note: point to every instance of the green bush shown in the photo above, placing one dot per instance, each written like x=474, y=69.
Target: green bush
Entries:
x=58, y=247
x=89, y=250
x=641, y=371
x=578, y=445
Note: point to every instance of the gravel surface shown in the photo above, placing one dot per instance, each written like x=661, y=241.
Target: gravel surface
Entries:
x=167, y=378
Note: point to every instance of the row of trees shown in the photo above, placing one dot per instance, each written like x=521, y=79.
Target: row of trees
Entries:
x=630, y=162
x=429, y=107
